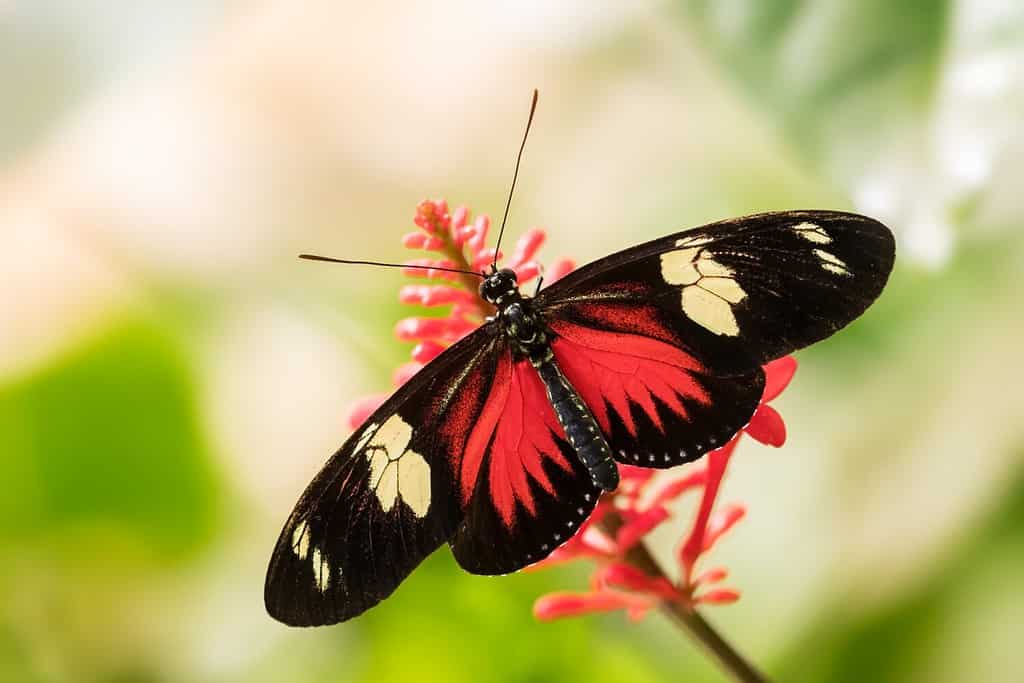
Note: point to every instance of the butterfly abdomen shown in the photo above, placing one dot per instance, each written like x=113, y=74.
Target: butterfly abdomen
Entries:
x=579, y=424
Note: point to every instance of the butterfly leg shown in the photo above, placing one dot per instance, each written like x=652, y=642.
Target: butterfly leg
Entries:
x=579, y=424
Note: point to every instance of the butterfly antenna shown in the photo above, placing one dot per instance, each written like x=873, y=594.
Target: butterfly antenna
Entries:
x=519, y=157
x=328, y=259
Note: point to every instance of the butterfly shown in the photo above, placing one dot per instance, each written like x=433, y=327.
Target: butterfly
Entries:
x=502, y=444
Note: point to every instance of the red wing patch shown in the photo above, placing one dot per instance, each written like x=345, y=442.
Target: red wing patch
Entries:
x=522, y=490
x=515, y=432
x=619, y=370
x=657, y=405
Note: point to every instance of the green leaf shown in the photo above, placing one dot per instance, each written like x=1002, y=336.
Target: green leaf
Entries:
x=837, y=76
x=106, y=443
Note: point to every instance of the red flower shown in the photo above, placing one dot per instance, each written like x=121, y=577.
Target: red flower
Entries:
x=640, y=508
x=623, y=518
x=458, y=242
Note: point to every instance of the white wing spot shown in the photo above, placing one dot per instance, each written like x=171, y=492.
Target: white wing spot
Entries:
x=679, y=267
x=397, y=472
x=831, y=262
x=367, y=433
x=812, y=233
x=709, y=310
x=414, y=482
x=321, y=571
x=725, y=287
x=710, y=289
x=694, y=241
x=300, y=540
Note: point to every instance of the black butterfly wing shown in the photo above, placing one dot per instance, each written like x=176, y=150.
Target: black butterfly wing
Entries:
x=468, y=451
x=523, y=489
x=386, y=499
x=664, y=341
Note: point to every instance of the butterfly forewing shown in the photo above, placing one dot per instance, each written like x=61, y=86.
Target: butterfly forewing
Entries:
x=664, y=341
x=769, y=283
x=385, y=500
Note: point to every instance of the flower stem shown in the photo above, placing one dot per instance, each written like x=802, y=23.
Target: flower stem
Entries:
x=686, y=617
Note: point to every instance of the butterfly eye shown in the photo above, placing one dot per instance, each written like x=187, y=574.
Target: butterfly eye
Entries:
x=498, y=284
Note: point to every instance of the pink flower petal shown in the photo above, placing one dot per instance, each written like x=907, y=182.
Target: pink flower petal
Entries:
x=597, y=542
x=693, y=545
x=559, y=605
x=484, y=258
x=711, y=576
x=481, y=226
x=777, y=374
x=693, y=479
x=767, y=426
x=425, y=267
x=426, y=351
x=639, y=526
x=459, y=217
x=403, y=373
x=414, y=329
x=527, y=271
x=559, y=269
x=464, y=234
x=723, y=519
x=718, y=596
x=621, y=575
x=638, y=474
x=414, y=240
x=363, y=408
x=433, y=216
x=526, y=247
x=435, y=295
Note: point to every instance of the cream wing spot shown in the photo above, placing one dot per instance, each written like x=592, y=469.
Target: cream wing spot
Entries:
x=709, y=288
x=321, y=570
x=725, y=287
x=300, y=540
x=378, y=466
x=393, y=436
x=678, y=267
x=694, y=241
x=812, y=233
x=387, y=487
x=395, y=471
x=711, y=268
x=831, y=262
x=413, y=481
x=367, y=433
x=710, y=311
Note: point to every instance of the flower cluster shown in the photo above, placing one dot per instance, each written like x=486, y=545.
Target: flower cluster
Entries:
x=623, y=518
x=625, y=578
x=457, y=241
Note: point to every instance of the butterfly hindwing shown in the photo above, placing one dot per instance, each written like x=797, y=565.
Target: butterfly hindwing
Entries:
x=664, y=341
x=657, y=402
x=385, y=500
x=524, y=491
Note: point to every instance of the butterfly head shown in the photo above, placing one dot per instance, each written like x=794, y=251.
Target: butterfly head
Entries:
x=499, y=286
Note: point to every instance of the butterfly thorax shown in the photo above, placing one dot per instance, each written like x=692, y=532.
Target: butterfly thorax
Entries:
x=516, y=316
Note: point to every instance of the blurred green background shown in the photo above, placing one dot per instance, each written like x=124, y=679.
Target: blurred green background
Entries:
x=171, y=376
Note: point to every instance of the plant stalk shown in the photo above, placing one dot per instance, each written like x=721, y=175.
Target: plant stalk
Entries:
x=686, y=617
